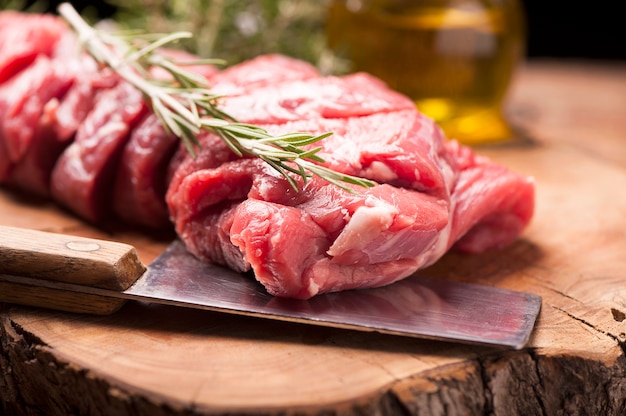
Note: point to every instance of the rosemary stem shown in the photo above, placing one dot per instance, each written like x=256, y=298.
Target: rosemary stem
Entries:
x=185, y=106
x=89, y=37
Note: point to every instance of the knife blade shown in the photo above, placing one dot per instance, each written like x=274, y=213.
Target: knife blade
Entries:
x=87, y=275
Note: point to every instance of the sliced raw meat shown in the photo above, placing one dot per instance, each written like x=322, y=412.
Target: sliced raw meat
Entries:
x=318, y=240
x=22, y=101
x=141, y=181
x=56, y=128
x=25, y=36
x=301, y=244
x=431, y=194
x=80, y=100
x=83, y=177
x=32, y=173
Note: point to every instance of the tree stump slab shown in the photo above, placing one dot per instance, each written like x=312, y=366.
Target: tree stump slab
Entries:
x=161, y=360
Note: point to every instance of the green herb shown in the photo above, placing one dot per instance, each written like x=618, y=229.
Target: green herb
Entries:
x=186, y=105
x=234, y=30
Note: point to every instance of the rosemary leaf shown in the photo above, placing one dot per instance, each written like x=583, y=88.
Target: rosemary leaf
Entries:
x=158, y=43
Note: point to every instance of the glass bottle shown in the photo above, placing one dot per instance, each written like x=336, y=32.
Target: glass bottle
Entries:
x=454, y=58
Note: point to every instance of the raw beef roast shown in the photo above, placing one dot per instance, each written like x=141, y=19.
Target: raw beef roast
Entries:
x=432, y=194
x=77, y=133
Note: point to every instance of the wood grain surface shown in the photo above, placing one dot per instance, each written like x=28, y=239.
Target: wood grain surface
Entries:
x=158, y=360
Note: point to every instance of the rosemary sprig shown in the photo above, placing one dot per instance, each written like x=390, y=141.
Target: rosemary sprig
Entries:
x=186, y=106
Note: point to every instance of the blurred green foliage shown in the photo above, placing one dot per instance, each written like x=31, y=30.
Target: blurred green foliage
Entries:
x=35, y=7
x=233, y=30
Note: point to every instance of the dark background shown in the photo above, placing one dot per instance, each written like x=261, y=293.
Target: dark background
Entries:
x=593, y=30
x=576, y=29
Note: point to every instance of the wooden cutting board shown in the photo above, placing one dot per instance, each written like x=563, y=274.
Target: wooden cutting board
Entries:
x=158, y=360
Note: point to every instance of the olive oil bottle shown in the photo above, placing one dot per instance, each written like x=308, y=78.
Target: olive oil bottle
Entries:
x=454, y=58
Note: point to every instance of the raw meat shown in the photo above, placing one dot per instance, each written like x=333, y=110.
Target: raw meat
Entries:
x=402, y=148
x=259, y=72
x=76, y=132
x=140, y=183
x=313, y=98
x=22, y=102
x=32, y=173
x=432, y=194
x=141, y=180
x=23, y=37
x=493, y=205
x=83, y=177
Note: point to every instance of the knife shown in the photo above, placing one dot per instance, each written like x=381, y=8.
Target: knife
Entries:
x=86, y=275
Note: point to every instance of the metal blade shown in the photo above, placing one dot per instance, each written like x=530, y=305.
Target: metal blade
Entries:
x=418, y=306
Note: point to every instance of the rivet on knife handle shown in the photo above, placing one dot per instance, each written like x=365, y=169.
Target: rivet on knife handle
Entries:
x=69, y=259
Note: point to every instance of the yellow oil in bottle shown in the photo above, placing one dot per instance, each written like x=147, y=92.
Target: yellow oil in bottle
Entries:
x=454, y=58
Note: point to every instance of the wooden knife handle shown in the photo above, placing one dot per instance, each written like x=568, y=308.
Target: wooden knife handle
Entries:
x=68, y=259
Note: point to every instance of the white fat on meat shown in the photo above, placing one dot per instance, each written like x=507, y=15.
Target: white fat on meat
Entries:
x=365, y=225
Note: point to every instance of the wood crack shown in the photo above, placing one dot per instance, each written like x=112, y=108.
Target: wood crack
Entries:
x=619, y=338
x=560, y=293
x=618, y=316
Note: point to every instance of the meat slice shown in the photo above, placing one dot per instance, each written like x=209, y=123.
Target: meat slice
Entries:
x=32, y=173
x=55, y=130
x=83, y=177
x=141, y=178
x=25, y=36
x=141, y=181
x=22, y=102
x=320, y=240
x=81, y=97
